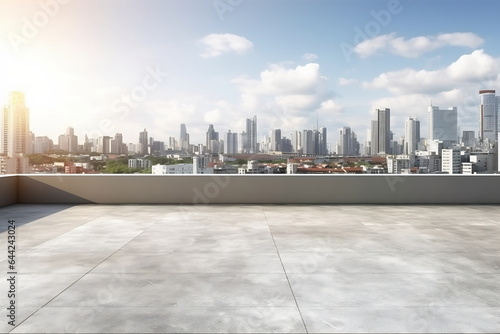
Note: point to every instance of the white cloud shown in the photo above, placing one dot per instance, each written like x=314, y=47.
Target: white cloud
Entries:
x=470, y=68
x=213, y=116
x=330, y=106
x=415, y=46
x=455, y=85
x=346, y=82
x=217, y=44
x=287, y=97
x=279, y=80
x=310, y=56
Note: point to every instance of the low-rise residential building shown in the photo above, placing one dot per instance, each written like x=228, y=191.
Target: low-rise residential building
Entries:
x=172, y=169
x=14, y=165
x=395, y=163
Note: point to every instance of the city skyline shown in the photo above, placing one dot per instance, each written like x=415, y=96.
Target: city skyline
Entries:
x=442, y=126
x=336, y=61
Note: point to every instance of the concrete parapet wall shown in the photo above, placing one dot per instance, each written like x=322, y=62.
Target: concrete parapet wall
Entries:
x=8, y=190
x=259, y=189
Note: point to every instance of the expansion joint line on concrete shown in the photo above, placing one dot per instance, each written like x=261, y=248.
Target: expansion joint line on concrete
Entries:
x=69, y=286
x=286, y=275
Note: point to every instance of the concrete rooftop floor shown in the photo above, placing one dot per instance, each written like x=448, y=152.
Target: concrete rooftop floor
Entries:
x=254, y=268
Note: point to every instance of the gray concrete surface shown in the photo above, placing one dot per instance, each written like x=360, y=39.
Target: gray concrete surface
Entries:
x=254, y=268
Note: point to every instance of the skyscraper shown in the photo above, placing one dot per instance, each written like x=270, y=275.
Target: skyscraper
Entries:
x=307, y=142
x=68, y=142
x=296, y=141
x=276, y=140
x=488, y=115
x=143, y=143
x=323, y=149
x=117, y=144
x=251, y=131
x=184, y=138
x=468, y=138
x=412, y=135
x=374, y=138
x=14, y=127
x=442, y=124
x=384, y=131
x=231, y=146
x=348, y=142
x=212, y=140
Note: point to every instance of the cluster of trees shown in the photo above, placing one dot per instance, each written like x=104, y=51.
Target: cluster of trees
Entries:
x=115, y=166
x=120, y=164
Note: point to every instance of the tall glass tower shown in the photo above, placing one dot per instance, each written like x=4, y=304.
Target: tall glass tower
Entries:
x=384, y=131
x=488, y=115
x=14, y=126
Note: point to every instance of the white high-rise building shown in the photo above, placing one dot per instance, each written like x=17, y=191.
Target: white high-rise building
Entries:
x=296, y=141
x=451, y=161
x=14, y=127
x=443, y=124
x=488, y=115
x=412, y=135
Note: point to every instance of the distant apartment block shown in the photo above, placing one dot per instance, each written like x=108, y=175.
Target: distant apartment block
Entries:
x=396, y=163
x=14, y=165
x=139, y=163
x=253, y=167
x=428, y=161
x=172, y=169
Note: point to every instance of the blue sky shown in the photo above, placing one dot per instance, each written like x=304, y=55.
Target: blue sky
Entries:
x=219, y=62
